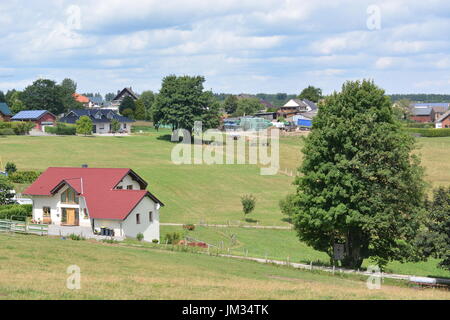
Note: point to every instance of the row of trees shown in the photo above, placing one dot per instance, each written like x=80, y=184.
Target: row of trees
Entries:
x=361, y=186
x=43, y=94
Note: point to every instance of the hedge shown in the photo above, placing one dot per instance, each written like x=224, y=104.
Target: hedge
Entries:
x=15, y=128
x=24, y=176
x=15, y=211
x=62, y=129
x=429, y=133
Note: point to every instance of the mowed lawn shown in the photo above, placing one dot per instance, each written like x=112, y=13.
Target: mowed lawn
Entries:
x=284, y=245
x=192, y=193
x=34, y=267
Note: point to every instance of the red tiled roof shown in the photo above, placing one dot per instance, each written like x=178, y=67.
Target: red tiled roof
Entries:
x=96, y=185
x=81, y=98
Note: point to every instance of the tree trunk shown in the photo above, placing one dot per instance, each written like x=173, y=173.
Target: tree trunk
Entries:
x=354, y=251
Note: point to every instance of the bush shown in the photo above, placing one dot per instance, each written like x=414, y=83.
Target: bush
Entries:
x=62, y=129
x=248, y=203
x=76, y=237
x=155, y=241
x=429, y=133
x=189, y=227
x=140, y=236
x=10, y=168
x=24, y=176
x=14, y=211
x=22, y=127
x=7, y=132
x=173, y=237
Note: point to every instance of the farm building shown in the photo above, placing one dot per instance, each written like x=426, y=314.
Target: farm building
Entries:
x=95, y=198
x=422, y=114
x=297, y=106
x=443, y=121
x=5, y=113
x=101, y=119
x=41, y=118
x=429, y=112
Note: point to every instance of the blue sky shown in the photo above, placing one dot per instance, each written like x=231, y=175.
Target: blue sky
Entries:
x=239, y=46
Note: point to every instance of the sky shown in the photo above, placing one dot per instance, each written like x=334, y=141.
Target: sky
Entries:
x=239, y=46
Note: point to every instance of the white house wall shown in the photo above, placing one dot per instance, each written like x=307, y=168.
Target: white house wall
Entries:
x=128, y=181
x=150, y=230
x=104, y=128
x=54, y=202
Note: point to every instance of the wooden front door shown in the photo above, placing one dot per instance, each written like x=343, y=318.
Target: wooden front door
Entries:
x=71, y=217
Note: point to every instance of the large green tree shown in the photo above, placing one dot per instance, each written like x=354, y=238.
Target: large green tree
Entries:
x=148, y=99
x=182, y=101
x=46, y=94
x=16, y=105
x=127, y=103
x=69, y=85
x=230, y=104
x=359, y=184
x=2, y=97
x=139, y=113
x=247, y=107
x=311, y=93
x=434, y=238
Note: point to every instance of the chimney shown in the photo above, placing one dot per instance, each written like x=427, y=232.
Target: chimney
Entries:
x=84, y=166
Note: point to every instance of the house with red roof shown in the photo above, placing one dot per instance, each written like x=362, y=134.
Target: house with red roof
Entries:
x=97, y=198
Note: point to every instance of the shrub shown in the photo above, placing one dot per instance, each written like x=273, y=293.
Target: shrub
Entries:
x=429, y=133
x=7, y=132
x=76, y=237
x=189, y=227
x=24, y=176
x=22, y=127
x=10, y=168
x=140, y=236
x=248, y=203
x=14, y=211
x=62, y=129
x=156, y=241
x=173, y=237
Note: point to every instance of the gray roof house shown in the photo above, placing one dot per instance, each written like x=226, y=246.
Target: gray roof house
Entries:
x=101, y=119
x=5, y=113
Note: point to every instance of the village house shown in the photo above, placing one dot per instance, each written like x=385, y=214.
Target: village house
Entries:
x=96, y=198
x=428, y=112
x=296, y=106
x=41, y=118
x=422, y=114
x=101, y=119
x=5, y=113
x=88, y=102
x=126, y=92
x=443, y=121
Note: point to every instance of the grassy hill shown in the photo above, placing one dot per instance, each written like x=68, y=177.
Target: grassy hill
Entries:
x=33, y=267
x=194, y=193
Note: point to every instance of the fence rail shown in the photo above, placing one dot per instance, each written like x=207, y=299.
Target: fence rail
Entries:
x=23, y=227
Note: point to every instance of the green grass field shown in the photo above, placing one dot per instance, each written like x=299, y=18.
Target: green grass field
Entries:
x=211, y=194
x=33, y=267
x=284, y=245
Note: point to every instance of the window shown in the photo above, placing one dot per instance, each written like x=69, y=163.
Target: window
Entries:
x=124, y=125
x=102, y=126
x=150, y=216
x=86, y=216
x=130, y=187
x=46, y=211
x=119, y=187
x=138, y=218
x=69, y=196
